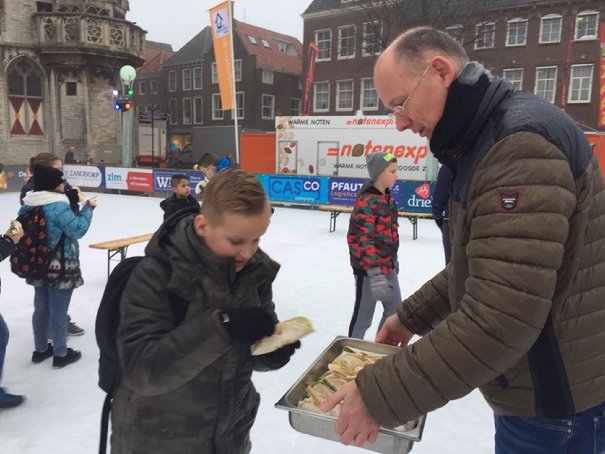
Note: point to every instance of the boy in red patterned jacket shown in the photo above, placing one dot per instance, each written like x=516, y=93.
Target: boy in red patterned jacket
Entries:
x=373, y=240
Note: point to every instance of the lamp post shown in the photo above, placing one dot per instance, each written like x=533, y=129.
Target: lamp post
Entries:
x=127, y=74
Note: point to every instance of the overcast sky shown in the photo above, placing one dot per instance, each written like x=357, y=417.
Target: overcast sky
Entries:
x=175, y=22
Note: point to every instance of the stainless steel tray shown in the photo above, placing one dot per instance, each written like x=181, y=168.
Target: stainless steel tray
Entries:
x=321, y=424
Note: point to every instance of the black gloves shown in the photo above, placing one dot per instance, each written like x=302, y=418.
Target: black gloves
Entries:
x=247, y=324
x=439, y=222
x=74, y=198
x=280, y=357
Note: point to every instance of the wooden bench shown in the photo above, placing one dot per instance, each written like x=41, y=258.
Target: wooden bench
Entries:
x=119, y=246
x=335, y=210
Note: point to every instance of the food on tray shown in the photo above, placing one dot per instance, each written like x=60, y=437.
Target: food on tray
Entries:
x=342, y=370
x=285, y=333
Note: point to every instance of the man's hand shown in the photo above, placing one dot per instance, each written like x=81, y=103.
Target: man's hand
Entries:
x=355, y=424
x=394, y=333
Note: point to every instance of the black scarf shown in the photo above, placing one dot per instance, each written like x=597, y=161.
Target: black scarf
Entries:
x=463, y=100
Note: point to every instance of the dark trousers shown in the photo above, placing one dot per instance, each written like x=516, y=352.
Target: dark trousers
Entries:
x=445, y=237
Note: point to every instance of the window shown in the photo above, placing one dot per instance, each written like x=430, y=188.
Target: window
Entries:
x=265, y=43
x=295, y=104
x=217, y=111
x=214, y=77
x=344, y=95
x=238, y=70
x=142, y=87
x=346, y=42
x=186, y=111
x=486, y=33
x=252, y=39
x=268, y=112
x=153, y=85
x=514, y=76
x=323, y=39
x=197, y=111
x=239, y=102
x=171, y=80
x=550, y=29
x=187, y=79
x=172, y=111
x=369, y=97
x=516, y=34
x=546, y=80
x=587, y=25
x=71, y=89
x=321, y=97
x=580, y=83
x=372, y=38
x=25, y=98
x=456, y=32
x=197, y=78
x=267, y=76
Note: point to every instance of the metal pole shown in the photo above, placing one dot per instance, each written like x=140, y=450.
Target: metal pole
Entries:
x=127, y=138
x=152, y=144
x=233, y=88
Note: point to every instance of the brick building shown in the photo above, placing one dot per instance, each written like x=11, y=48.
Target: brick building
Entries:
x=268, y=69
x=550, y=48
x=60, y=61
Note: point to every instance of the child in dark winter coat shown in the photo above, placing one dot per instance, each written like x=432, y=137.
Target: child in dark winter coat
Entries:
x=373, y=240
x=181, y=196
x=186, y=387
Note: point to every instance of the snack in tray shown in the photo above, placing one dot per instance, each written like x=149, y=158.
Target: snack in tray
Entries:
x=285, y=333
x=14, y=227
x=342, y=370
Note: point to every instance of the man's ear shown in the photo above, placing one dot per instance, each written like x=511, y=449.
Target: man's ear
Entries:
x=200, y=224
x=445, y=69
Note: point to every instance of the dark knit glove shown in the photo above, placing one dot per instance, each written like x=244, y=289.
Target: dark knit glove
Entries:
x=280, y=357
x=439, y=222
x=247, y=324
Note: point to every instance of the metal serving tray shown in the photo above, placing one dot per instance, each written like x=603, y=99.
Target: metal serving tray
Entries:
x=321, y=424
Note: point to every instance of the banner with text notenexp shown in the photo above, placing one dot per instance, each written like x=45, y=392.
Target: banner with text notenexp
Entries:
x=84, y=176
x=297, y=189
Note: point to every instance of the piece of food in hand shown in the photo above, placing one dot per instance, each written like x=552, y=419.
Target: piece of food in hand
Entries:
x=14, y=228
x=286, y=332
x=199, y=188
x=92, y=201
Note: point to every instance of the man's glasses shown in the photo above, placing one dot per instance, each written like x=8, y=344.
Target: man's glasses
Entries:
x=400, y=110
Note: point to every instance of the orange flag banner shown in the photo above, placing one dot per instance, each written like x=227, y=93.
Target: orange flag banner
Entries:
x=601, y=122
x=222, y=28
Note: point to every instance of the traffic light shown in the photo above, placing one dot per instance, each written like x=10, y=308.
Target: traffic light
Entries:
x=123, y=104
x=130, y=92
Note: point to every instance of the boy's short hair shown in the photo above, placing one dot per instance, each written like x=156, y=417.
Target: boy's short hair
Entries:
x=208, y=159
x=177, y=178
x=233, y=191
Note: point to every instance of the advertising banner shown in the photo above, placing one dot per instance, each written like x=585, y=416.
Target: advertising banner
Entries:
x=13, y=177
x=602, y=79
x=338, y=146
x=311, y=58
x=162, y=179
x=299, y=189
x=220, y=22
x=414, y=196
x=343, y=191
x=84, y=176
x=129, y=179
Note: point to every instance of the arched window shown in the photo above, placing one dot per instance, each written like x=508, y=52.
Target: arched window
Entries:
x=25, y=98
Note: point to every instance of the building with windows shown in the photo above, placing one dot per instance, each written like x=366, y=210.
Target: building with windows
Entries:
x=60, y=62
x=150, y=86
x=550, y=48
x=267, y=70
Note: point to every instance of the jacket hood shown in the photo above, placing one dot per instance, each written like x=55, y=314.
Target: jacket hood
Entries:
x=40, y=198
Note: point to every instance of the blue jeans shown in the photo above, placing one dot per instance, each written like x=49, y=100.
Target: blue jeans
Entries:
x=50, y=309
x=582, y=433
x=3, y=342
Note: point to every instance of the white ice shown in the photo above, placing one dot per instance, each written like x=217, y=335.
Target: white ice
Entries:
x=63, y=407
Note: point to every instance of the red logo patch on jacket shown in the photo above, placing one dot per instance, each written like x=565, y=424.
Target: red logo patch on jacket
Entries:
x=509, y=200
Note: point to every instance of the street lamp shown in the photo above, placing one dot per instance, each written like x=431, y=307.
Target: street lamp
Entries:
x=127, y=74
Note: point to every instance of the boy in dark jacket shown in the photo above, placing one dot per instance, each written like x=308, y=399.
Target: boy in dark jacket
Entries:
x=373, y=240
x=181, y=196
x=187, y=387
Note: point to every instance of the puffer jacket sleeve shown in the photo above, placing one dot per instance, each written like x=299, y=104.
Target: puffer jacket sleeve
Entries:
x=513, y=257
x=266, y=297
x=427, y=307
x=156, y=356
x=74, y=226
x=361, y=233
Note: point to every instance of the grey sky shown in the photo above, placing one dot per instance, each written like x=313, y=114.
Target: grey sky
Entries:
x=177, y=21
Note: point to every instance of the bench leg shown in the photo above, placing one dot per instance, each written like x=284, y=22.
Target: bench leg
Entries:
x=111, y=253
x=414, y=221
x=333, y=216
